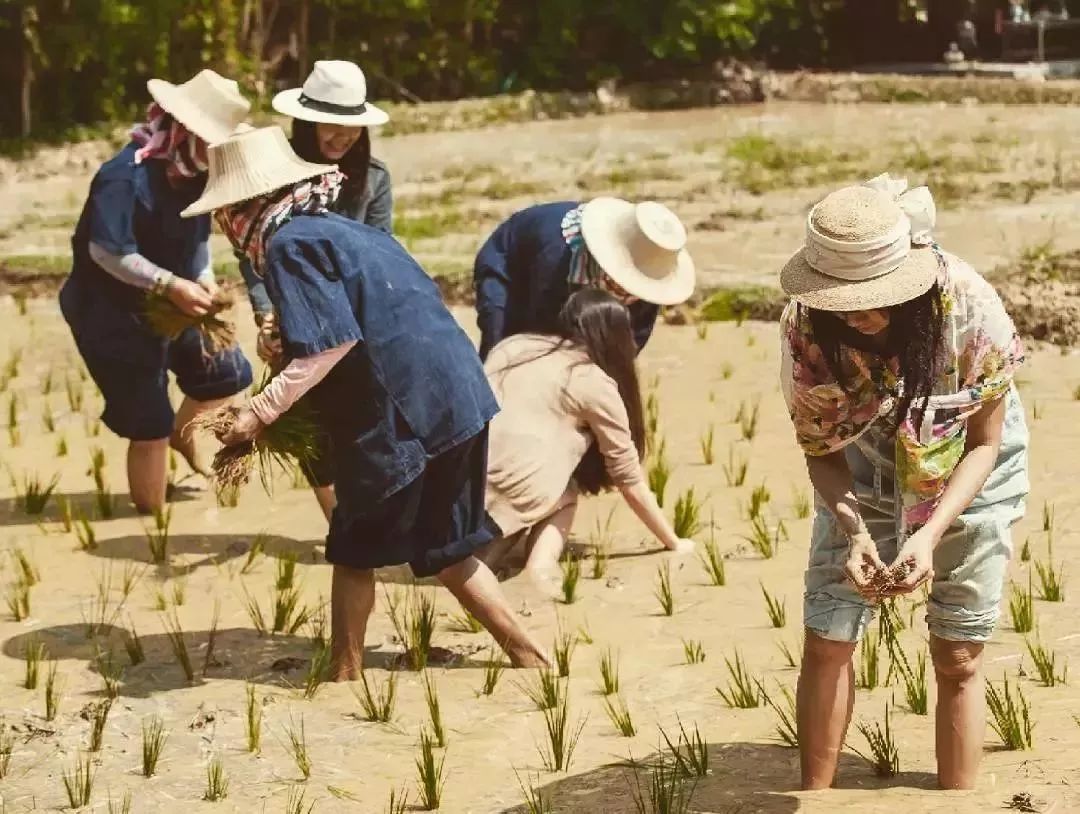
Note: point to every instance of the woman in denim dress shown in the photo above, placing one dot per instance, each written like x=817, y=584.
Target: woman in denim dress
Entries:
x=898, y=369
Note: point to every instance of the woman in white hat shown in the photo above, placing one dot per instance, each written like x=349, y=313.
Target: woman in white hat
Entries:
x=331, y=116
x=898, y=368
x=130, y=240
x=570, y=421
x=394, y=380
x=534, y=260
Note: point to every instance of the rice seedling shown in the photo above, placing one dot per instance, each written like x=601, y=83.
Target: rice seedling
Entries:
x=609, y=673
x=48, y=420
x=702, y=330
x=99, y=716
x=1025, y=551
x=791, y=658
x=1051, y=579
x=744, y=690
x=565, y=644
x=535, y=801
x=711, y=559
x=562, y=736
x=79, y=782
x=133, y=573
x=652, y=419
x=110, y=670
x=85, y=534
x=290, y=614
x=1022, y=608
x=1047, y=517
x=693, y=652
x=431, y=698
x=659, y=473
x=178, y=591
x=869, y=676
x=253, y=719
x=600, y=542
x=286, y=571
x=584, y=635
x=600, y=558
x=101, y=614
x=667, y=792
x=419, y=628
x=884, y=755
x=619, y=715
x=759, y=497
x=47, y=382
x=178, y=643
x=61, y=447
x=786, y=729
x=465, y=622
x=297, y=746
x=74, y=395
x=748, y=423
x=1045, y=662
x=913, y=679
x=33, y=653
x=776, y=608
x=801, y=504
x=430, y=774
x=295, y=802
x=122, y=807
x=763, y=540
x=11, y=366
x=258, y=545
x=217, y=782
x=687, y=521
x=211, y=638
x=689, y=752
x=735, y=468
x=27, y=570
x=377, y=701
x=254, y=612
x=161, y=602
x=1010, y=718
x=571, y=574
x=14, y=437
x=67, y=520
x=34, y=495
x=7, y=746
x=546, y=692
x=216, y=331
x=17, y=596
x=158, y=537
x=663, y=592
x=153, y=743
x=53, y=691
x=493, y=671
x=707, y=442
x=134, y=648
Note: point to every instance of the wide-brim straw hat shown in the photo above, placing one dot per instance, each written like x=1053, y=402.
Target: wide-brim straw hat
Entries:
x=866, y=247
x=641, y=247
x=335, y=92
x=251, y=164
x=208, y=104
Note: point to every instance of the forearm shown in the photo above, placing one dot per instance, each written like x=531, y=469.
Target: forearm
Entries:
x=131, y=269
x=204, y=267
x=642, y=503
x=831, y=478
x=966, y=482
x=293, y=381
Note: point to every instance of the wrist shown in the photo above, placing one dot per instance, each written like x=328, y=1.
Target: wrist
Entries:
x=163, y=282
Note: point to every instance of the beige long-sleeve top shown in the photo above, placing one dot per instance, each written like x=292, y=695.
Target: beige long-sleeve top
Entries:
x=555, y=404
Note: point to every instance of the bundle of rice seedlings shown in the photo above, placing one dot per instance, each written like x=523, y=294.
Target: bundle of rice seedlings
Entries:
x=217, y=332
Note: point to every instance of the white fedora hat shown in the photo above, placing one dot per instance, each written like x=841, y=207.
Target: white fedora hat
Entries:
x=642, y=247
x=335, y=92
x=250, y=164
x=208, y=104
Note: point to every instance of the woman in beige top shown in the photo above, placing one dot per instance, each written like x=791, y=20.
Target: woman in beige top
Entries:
x=571, y=421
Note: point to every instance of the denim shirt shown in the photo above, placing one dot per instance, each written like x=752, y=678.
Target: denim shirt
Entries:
x=130, y=208
x=521, y=278
x=374, y=206
x=411, y=388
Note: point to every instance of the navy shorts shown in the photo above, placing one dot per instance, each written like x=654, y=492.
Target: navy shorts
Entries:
x=435, y=521
x=137, y=403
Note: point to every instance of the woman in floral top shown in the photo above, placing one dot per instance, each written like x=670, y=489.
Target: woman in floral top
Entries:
x=898, y=368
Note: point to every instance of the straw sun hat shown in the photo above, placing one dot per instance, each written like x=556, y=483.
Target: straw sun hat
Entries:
x=335, y=92
x=208, y=104
x=642, y=247
x=251, y=163
x=866, y=247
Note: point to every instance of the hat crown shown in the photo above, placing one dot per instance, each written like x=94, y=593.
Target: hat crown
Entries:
x=660, y=226
x=250, y=149
x=208, y=104
x=336, y=81
x=856, y=214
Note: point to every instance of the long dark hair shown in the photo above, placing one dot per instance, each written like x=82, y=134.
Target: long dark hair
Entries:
x=354, y=164
x=914, y=338
x=599, y=324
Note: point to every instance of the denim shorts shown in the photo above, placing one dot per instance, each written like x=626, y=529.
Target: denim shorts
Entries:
x=136, y=396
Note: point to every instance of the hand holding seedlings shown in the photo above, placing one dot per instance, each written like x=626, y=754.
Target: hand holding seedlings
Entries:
x=914, y=564
x=862, y=562
x=245, y=426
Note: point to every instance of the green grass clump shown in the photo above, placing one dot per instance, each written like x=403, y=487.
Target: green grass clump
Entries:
x=377, y=701
x=34, y=494
x=253, y=719
x=736, y=467
x=1046, y=666
x=620, y=716
x=667, y=791
x=884, y=755
x=217, y=782
x=690, y=752
x=431, y=698
x=79, y=783
x=609, y=673
x=776, y=608
x=707, y=444
x=693, y=652
x=786, y=729
x=744, y=690
x=153, y=743
x=1022, y=609
x=565, y=644
x=431, y=775
x=562, y=736
x=493, y=670
x=659, y=473
x=1010, y=717
x=297, y=747
x=687, y=522
x=663, y=590
x=869, y=676
x=571, y=575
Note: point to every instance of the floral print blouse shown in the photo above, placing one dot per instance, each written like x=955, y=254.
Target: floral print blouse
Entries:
x=982, y=354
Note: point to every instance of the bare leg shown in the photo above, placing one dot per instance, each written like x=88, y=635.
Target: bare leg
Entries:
x=961, y=711
x=477, y=589
x=826, y=697
x=352, y=598
x=327, y=499
x=546, y=543
x=147, y=475
x=183, y=437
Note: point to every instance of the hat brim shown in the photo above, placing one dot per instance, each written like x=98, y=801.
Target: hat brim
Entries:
x=255, y=182
x=173, y=101
x=605, y=244
x=809, y=287
x=287, y=103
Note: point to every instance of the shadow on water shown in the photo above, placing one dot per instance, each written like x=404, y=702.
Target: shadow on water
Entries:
x=83, y=504
x=188, y=552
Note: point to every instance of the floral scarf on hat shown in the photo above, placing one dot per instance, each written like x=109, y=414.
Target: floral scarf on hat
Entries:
x=162, y=136
x=249, y=225
x=584, y=270
x=982, y=355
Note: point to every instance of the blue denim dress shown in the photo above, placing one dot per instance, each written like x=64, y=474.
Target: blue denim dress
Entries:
x=521, y=278
x=970, y=562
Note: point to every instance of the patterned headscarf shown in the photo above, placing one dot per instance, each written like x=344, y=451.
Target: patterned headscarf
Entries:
x=249, y=225
x=584, y=270
x=162, y=136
